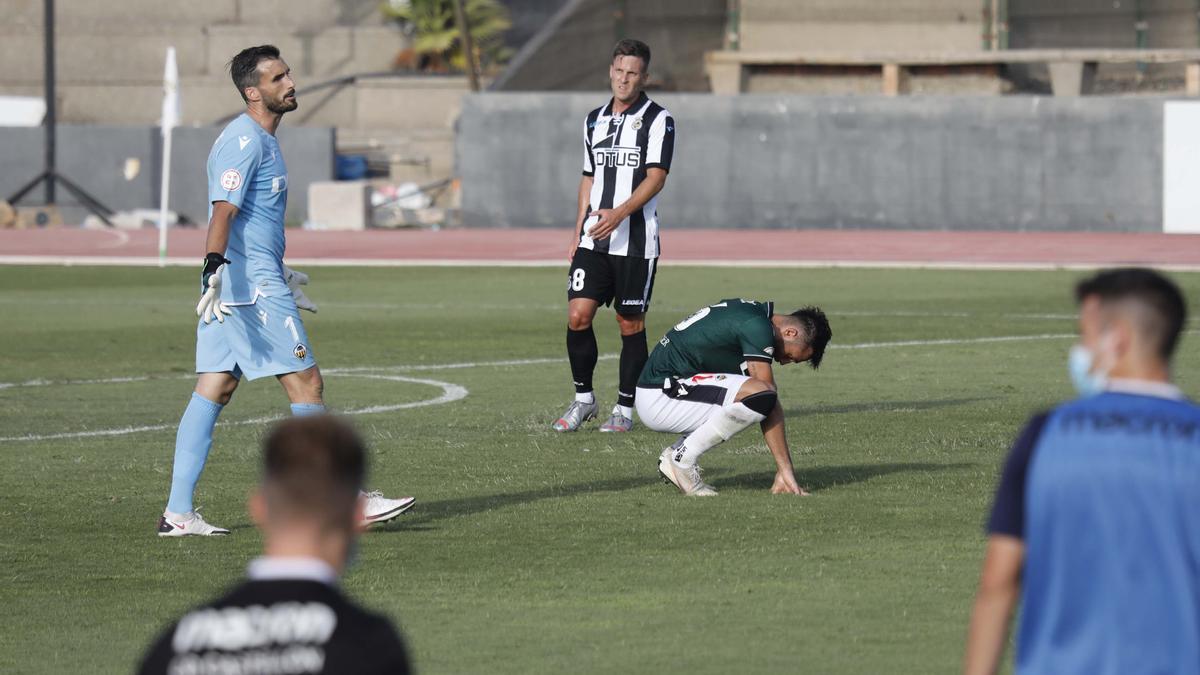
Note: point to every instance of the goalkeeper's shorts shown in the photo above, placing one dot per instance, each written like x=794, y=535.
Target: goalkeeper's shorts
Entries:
x=263, y=338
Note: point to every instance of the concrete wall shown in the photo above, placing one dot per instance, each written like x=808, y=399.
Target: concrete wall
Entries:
x=109, y=55
x=95, y=158
x=1020, y=163
x=865, y=25
x=573, y=49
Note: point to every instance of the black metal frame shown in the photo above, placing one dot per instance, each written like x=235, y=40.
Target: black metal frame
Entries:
x=50, y=174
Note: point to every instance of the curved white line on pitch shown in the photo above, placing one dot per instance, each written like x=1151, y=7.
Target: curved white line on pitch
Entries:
x=450, y=393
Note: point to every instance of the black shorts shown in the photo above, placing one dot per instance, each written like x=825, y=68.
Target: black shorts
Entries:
x=620, y=280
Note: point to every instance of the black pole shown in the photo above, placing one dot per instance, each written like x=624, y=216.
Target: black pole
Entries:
x=51, y=114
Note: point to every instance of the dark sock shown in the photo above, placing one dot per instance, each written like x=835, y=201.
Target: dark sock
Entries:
x=583, y=353
x=633, y=359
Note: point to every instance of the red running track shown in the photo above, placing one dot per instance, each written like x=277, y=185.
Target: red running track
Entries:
x=549, y=247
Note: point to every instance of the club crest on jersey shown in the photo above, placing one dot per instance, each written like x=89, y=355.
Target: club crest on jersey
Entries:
x=231, y=180
x=637, y=123
x=300, y=351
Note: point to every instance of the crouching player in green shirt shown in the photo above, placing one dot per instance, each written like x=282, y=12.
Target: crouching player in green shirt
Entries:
x=710, y=377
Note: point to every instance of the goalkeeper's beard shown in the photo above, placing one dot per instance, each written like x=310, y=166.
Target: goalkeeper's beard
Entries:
x=283, y=105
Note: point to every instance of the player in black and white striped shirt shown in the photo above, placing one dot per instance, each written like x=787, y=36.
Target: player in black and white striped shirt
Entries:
x=628, y=145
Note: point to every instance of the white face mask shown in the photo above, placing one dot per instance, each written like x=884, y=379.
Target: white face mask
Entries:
x=1079, y=366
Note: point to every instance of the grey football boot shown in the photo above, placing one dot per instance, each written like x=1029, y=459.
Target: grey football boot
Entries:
x=576, y=415
x=617, y=422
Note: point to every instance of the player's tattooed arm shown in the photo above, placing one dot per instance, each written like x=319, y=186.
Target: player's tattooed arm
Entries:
x=775, y=435
x=610, y=219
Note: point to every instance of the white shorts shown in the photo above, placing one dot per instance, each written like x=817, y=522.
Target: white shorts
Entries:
x=684, y=413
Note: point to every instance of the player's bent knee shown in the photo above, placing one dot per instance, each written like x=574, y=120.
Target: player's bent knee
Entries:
x=579, y=319
x=762, y=402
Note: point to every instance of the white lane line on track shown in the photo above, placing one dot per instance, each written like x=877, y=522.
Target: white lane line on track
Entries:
x=450, y=393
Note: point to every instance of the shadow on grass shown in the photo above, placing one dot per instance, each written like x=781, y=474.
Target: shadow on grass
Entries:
x=885, y=406
x=819, y=478
x=428, y=512
x=814, y=479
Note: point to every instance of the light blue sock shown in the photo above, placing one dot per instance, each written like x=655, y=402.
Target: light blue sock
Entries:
x=306, y=409
x=192, y=443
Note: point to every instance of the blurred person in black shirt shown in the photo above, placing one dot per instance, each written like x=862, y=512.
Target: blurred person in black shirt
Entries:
x=289, y=617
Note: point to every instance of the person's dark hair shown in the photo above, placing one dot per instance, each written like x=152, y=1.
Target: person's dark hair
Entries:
x=243, y=68
x=816, y=327
x=1167, y=309
x=631, y=47
x=313, y=467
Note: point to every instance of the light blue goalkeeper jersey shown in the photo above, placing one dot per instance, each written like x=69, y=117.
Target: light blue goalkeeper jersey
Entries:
x=246, y=169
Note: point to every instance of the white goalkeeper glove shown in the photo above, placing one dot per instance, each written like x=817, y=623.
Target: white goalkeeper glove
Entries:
x=294, y=281
x=210, y=305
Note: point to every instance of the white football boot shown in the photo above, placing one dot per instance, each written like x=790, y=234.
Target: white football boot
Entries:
x=687, y=479
x=187, y=525
x=576, y=415
x=380, y=509
x=617, y=422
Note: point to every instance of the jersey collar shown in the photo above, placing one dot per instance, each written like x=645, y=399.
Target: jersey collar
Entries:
x=1145, y=388
x=633, y=108
x=268, y=568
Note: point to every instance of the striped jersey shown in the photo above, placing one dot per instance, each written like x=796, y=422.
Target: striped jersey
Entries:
x=618, y=149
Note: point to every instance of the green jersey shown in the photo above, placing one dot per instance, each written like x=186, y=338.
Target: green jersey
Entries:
x=719, y=338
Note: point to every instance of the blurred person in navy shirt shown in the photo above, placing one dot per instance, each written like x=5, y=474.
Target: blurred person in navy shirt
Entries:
x=1096, y=520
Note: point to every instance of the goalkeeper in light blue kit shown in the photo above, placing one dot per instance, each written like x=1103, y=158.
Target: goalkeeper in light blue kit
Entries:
x=248, y=290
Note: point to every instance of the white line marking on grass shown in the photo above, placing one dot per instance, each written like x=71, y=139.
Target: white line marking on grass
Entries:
x=861, y=345
x=955, y=341
x=367, y=371
x=450, y=393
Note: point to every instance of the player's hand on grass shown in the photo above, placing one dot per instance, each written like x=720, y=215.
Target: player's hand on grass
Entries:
x=785, y=484
x=294, y=281
x=210, y=305
x=607, y=221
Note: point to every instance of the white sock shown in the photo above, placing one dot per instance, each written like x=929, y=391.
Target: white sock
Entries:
x=717, y=429
x=181, y=517
x=626, y=411
x=588, y=397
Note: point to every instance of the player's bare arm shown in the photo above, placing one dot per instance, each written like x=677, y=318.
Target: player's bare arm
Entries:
x=223, y=214
x=999, y=586
x=775, y=435
x=585, y=191
x=610, y=219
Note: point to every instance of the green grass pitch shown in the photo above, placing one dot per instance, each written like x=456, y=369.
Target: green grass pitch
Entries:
x=530, y=551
